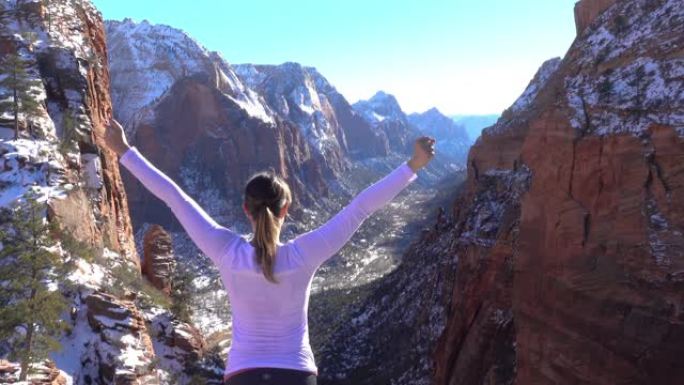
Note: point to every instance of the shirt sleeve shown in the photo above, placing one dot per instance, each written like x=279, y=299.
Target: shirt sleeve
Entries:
x=208, y=235
x=316, y=246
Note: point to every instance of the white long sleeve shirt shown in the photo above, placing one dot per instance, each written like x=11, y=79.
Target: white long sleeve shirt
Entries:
x=270, y=325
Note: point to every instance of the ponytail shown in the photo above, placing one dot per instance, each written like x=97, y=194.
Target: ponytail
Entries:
x=265, y=238
x=265, y=195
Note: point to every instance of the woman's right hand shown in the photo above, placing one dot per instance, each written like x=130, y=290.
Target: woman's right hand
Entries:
x=115, y=138
x=423, y=152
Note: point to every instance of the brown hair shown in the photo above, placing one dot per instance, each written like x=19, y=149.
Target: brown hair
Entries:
x=265, y=195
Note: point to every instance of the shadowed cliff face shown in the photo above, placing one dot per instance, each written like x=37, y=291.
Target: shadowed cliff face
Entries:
x=304, y=96
x=582, y=282
x=203, y=139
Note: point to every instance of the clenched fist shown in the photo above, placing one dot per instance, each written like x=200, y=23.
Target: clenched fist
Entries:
x=115, y=138
x=423, y=152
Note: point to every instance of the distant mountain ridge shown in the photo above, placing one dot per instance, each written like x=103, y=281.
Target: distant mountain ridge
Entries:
x=451, y=137
x=383, y=112
x=304, y=96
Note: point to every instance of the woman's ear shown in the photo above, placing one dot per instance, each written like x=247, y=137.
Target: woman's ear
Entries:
x=283, y=211
x=244, y=208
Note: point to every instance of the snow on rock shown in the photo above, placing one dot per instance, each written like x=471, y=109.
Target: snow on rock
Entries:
x=30, y=165
x=178, y=345
x=380, y=107
x=58, y=156
x=92, y=170
x=383, y=113
x=122, y=350
x=302, y=95
x=87, y=275
x=538, y=82
x=62, y=44
x=628, y=83
x=547, y=69
x=147, y=59
x=630, y=98
x=41, y=373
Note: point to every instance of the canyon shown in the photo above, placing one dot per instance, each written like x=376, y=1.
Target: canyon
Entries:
x=549, y=252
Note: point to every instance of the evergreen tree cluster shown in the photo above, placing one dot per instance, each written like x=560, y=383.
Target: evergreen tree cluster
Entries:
x=23, y=91
x=31, y=268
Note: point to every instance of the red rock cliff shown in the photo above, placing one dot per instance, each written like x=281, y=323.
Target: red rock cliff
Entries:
x=71, y=64
x=212, y=146
x=586, y=12
x=60, y=155
x=579, y=279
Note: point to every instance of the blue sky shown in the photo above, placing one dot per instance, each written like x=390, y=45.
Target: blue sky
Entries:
x=462, y=56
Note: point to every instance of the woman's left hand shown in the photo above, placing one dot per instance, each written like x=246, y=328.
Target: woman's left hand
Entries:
x=423, y=152
x=115, y=138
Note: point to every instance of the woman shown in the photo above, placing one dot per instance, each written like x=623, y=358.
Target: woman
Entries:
x=268, y=282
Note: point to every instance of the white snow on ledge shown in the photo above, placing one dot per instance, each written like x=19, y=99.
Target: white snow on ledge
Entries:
x=28, y=165
x=628, y=99
x=629, y=76
x=540, y=79
x=147, y=59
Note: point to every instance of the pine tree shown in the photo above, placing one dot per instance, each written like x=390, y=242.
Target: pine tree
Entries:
x=181, y=286
x=21, y=86
x=69, y=132
x=29, y=311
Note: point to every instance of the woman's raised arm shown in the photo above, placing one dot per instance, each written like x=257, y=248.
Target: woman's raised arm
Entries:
x=317, y=245
x=208, y=235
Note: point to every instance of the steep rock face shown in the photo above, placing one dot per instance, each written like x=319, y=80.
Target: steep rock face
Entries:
x=204, y=127
x=383, y=112
x=146, y=60
x=594, y=261
x=303, y=96
x=124, y=352
x=452, y=139
x=363, y=141
x=291, y=91
x=586, y=11
x=503, y=135
x=178, y=343
x=212, y=146
x=67, y=58
x=478, y=344
x=158, y=259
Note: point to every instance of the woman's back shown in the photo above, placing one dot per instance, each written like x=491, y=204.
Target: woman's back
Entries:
x=270, y=326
